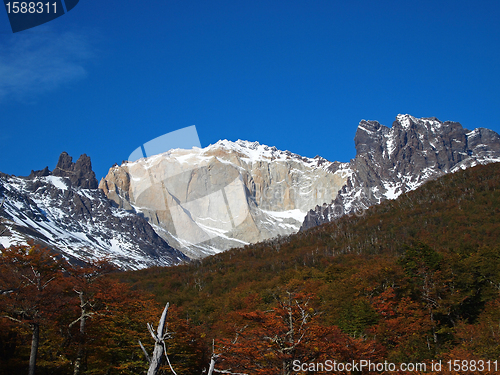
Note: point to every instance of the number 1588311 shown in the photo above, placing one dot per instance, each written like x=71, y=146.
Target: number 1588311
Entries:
x=31, y=7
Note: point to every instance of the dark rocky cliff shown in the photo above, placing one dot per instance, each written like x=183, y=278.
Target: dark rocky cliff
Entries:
x=391, y=161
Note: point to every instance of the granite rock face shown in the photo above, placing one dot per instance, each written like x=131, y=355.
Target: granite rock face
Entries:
x=203, y=201
x=65, y=211
x=391, y=161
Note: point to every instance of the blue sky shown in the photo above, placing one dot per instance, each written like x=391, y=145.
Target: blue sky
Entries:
x=299, y=75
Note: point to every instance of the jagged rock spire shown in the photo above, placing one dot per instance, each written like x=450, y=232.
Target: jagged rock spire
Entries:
x=80, y=173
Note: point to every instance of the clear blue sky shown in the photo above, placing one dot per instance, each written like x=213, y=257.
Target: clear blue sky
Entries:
x=299, y=75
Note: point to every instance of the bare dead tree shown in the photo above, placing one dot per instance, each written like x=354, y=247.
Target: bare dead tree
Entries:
x=160, y=336
x=86, y=286
x=212, y=368
x=85, y=313
x=160, y=349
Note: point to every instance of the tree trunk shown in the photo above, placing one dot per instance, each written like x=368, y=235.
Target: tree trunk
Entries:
x=81, y=345
x=34, y=347
x=156, y=359
x=212, y=366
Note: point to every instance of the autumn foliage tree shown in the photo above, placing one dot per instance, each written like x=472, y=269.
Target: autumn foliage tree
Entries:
x=404, y=327
x=273, y=340
x=32, y=286
x=80, y=319
x=86, y=283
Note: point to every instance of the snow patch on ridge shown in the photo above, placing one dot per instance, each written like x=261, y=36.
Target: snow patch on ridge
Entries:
x=405, y=121
x=297, y=215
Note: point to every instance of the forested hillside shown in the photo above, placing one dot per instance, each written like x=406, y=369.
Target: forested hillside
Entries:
x=413, y=280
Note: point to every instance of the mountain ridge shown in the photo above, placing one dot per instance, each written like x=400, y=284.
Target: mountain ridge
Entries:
x=390, y=161
x=64, y=210
x=206, y=200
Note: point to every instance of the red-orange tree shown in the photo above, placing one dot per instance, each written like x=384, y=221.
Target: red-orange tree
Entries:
x=87, y=284
x=33, y=290
x=273, y=341
x=404, y=328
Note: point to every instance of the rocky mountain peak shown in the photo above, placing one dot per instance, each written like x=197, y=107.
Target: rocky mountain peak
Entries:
x=391, y=161
x=369, y=137
x=252, y=150
x=80, y=173
x=65, y=162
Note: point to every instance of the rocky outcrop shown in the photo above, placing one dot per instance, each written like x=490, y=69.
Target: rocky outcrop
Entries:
x=391, y=161
x=80, y=173
x=42, y=173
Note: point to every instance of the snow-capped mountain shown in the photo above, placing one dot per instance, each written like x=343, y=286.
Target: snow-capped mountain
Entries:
x=203, y=201
x=65, y=211
x=391, y=161
x=181, y=204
